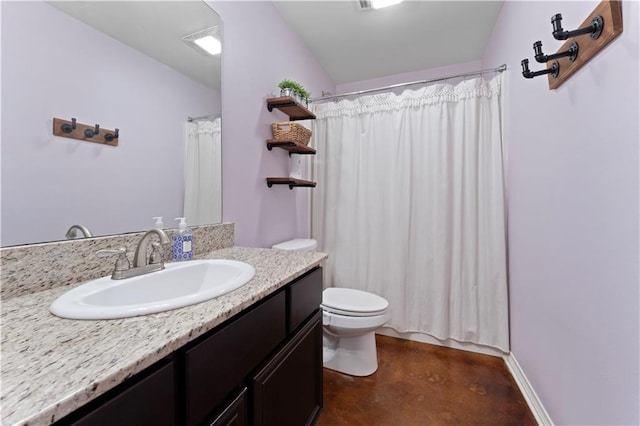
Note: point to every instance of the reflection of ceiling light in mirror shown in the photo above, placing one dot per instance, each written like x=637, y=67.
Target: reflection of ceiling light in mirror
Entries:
x=377, y=4
x=209, y=44
x=206, y=40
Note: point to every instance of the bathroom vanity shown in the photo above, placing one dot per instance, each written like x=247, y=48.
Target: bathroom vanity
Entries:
x=253, y=356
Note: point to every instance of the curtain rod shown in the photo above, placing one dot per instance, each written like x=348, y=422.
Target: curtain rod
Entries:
x=501, y=68
x=203, y=117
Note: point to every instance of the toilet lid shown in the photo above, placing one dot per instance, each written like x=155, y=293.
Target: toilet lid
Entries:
x=348, y=301
x=299, y=244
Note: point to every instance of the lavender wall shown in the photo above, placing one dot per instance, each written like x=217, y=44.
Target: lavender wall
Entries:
x=573, y=217
x=259, y=51
x=56, y=66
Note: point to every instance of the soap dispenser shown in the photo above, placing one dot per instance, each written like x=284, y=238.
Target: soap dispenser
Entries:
x=159, y=224
x=183, y=242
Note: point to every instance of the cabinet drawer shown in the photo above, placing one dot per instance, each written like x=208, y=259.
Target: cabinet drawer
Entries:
x=148, y=402
x=234, y=414
x=304, y=297
x=218, y=365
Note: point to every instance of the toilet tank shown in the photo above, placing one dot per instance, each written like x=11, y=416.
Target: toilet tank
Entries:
x=299, y=244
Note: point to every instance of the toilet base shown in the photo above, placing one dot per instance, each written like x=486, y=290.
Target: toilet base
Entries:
x=354, y=355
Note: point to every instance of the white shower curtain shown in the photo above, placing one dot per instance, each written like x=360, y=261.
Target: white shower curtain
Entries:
x=410, y=205
x=202, y=177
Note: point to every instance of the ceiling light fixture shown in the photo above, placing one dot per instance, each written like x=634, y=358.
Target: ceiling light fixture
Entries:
x=377, y=4
x=206, y=40
x=209, y=44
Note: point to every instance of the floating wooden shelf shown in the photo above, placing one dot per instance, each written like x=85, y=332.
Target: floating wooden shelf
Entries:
x=291, y=146
x=295, y=111
x=291, y=107
x=292, y=182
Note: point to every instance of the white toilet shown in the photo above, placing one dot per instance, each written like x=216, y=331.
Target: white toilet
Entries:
x=350, y=318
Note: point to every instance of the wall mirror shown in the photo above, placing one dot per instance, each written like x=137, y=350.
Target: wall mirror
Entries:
x=122, y=65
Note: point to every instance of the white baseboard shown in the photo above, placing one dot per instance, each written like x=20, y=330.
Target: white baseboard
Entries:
x=529, y=394
x=426, y=338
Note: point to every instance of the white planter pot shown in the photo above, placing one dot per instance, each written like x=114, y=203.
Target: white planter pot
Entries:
x=287, y=92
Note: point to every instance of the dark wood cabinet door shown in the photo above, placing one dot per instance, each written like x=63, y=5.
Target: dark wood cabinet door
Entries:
x=288, y=390
x=218, y=365
x=151, y=401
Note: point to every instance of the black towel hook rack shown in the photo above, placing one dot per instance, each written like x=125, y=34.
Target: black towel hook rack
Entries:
x=84, y=132
x=571, y=53
x=595, y=29
x=554, y=70
x=594, y=33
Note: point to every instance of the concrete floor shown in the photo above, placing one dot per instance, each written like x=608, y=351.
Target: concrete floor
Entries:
x=421, y=384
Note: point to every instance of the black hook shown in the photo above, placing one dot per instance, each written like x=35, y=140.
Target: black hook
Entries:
x=111, y=136
x=572, y=53
x=91, y=133
x=554, y=70
x=595, y=29
x=68, y=128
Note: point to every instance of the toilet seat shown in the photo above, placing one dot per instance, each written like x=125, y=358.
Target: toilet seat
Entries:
x=354, y=324
x=352, y=302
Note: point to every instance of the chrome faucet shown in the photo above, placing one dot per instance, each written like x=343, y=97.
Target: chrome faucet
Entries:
x=140, y=259
x=72, y=234
x=141, y=263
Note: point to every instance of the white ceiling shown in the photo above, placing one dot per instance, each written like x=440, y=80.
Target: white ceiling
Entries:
x=354, y=45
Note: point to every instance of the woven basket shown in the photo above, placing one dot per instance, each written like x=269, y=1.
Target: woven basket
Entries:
x=291, y=131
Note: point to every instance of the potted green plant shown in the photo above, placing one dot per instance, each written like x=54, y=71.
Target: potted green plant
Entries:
x=288, y=87
x=303, y=95
x=293, y=89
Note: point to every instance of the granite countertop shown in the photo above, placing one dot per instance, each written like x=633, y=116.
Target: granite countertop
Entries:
x=50, y=366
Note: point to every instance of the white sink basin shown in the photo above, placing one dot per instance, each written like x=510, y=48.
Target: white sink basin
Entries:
x=179, y=284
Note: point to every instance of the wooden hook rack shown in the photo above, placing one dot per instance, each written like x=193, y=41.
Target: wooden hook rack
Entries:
x=611, y=13
x=83, y=132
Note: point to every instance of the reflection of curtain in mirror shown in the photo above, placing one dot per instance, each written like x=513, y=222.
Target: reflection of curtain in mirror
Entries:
x=202, y=177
